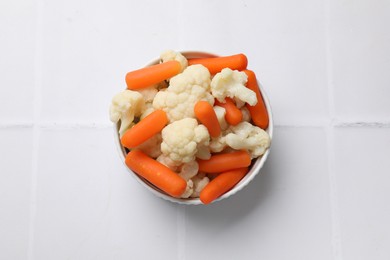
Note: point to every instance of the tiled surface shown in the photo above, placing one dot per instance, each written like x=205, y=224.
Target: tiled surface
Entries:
x=15, y=190
x=362, y=177
x=360, y=36
x=87, y=50
x=281, y=208
x=88, y=206
x=323, y=194
x=17, y=59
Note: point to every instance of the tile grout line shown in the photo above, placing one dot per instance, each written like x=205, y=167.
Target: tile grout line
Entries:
x=334, y=214
x=181, y=232
x=360, y=124
x=35, y=127
x=335, y=223
x=17, y=125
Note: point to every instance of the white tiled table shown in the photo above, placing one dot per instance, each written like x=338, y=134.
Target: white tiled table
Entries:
x=323, y=194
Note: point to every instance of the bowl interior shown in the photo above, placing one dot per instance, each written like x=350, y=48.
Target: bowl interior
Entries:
x=257, y=164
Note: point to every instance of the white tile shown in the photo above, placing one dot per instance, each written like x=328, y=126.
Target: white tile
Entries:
x=360, y=37
x=15, y=189
x=283, y=214
x=89, y=47
x=363, y=190
x=88, y=205
x=284, y=41
x=17, y=50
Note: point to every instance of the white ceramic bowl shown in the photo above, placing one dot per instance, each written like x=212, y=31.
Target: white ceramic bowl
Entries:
x=255, y=168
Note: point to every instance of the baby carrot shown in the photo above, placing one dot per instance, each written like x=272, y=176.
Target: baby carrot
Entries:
x=156, y=173
x=145, y=129
x=233, y=115
x=221, y=184
x=225, y=162
x=259, y=111
x=206, y=115
x=215, y=65
x=151, y=75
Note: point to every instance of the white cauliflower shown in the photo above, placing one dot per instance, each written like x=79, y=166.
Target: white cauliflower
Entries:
x=218, y=144
x=148, y=109
x=231, y=83
x=124, y=107
x=239, y=103
x=189, y=170
x=185, y=89
x=182, y=138
x=148, y=93
x=203, y=151
x=152, y=146
x=249, y=137
x=173, y=55
x=221, y=112
x=246, y=115
x=165, y=160
x=189, y=190
x=199, y=182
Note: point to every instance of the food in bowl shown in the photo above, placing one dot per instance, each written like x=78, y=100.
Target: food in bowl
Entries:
x=192, y=128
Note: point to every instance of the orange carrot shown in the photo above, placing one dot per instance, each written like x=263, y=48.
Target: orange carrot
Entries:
x=233, y=115
x=259, y=111
x=206, y=115
x=156, y=173
x=225, y=162
x=151, y=75
x=145, y=129
x=215, y=65
x=221, y=184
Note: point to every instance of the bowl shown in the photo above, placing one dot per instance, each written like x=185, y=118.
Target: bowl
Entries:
x=255, y=167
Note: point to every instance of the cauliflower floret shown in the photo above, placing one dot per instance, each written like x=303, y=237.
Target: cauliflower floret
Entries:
x=189, y=190
x=152, y=146
x=185, y=89
x=221, y=112
x=148, y=109
x=124, y=107
x=199, y=182
x=239, y=103
x=173, y=55
x=246, y=115
x=231, y=83
x=163, y=159
x=148, y=93
x=189, y=170
x=250, y=137
x=218, y=144
x=203, y=151
x=182, y=138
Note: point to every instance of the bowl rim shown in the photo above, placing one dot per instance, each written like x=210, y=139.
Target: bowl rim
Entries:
x=255, y=167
